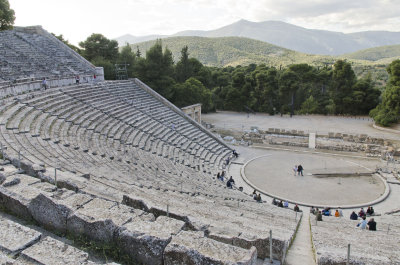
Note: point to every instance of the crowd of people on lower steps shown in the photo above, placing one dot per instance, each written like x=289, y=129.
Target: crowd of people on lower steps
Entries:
x=363, y=224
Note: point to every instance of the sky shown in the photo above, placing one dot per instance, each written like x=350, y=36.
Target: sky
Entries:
x=78, y=19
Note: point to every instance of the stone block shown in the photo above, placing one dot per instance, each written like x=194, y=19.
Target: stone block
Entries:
x=50, y=213
x=247, y=240
x=99, y=219
x=16, y=198
x=194, y=248
x=145, y=241
x=135, y=202
x=4, y=260
x=51, y=251
x=15, y=237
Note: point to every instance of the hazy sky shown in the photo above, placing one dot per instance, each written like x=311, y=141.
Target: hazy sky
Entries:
x=77, y=19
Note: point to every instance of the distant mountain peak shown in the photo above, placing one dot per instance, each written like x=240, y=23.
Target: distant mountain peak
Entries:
x=290, y=36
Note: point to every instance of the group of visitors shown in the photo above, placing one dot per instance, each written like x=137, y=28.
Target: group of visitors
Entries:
x=363, y=224
x=370, y=225
x=370, y=211
x=327, y=211
x=221, y=176
x=282, y=204
x=256, y=196
x=298, y=169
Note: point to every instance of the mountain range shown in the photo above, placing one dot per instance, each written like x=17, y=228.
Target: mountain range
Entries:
x=289, y=36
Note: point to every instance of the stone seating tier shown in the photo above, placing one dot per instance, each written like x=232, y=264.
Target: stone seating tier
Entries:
x=141, y=235
x=27, y=54
x=332, y=235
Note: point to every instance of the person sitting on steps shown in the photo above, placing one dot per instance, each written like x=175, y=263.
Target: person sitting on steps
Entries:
x=353, y=216
x=371, y=225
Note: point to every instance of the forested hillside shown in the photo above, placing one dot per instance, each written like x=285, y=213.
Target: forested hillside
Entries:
x=294, y=88
x=381, y=54
x=232, y=51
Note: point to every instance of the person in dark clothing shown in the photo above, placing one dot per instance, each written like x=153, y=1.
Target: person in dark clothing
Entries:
x=370, y=211
x=353, y=216
x=218, y=175
x=229, y=184
x=231, y=180
x=258, y=197
x=280, y=204
x=319, y=216
x=274, y=202
x=371, y=225
x=235, y=153
x=296, y=208
x=300, y=170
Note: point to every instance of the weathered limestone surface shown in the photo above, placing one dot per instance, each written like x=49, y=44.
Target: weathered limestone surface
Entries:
x=99, y=219
x=50, y=213
x=194, y=248
x=15, y=237
x=51, y=251
x=4, y=260
x=16, y=198
x=145, y=241
x=331, y=236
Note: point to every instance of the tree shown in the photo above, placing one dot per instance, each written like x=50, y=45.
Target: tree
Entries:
x=343, y=79
x=388, y=111
x=157, y=69
x=309, y=106
x=7, y=15
x=183, y=68
x=365, y=96
x=191, y=92
x=96, y=45
x=138, y=52
x=127, y=56
x=288, y=85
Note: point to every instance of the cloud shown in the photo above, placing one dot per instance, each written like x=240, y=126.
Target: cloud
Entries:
x=77, y=19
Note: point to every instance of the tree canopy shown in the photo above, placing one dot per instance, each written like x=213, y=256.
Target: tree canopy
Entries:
x=388, y=111
x=298, y=88
x=7, y=15
x=96, y=45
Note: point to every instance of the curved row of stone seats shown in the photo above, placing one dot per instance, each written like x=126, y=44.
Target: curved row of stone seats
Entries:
x=221, y=219
x=20, y=244
x=144, y=237
x=332, y=236
x=142, y=123
x=47, y=150
x=131, y=93
x=154, y=178
x=32, y=52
